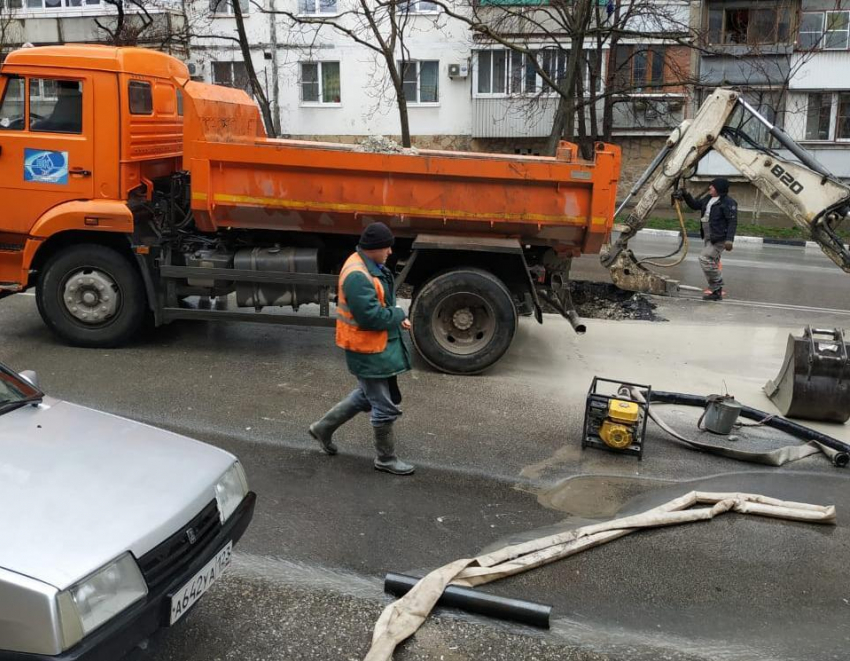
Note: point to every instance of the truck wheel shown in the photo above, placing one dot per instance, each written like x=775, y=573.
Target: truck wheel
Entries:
x=463, y=321
x=91, y=296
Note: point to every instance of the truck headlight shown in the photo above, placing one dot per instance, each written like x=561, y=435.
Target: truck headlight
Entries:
x=230, y=490
x=107, y=592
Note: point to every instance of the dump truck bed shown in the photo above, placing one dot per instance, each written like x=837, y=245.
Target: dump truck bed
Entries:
x=243, y=179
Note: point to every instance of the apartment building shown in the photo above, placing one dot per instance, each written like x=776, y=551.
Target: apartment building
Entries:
x=789, y=59
x=462, y=93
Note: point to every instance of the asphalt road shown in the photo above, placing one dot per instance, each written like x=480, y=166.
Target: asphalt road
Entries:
x=498, y=460
x=779, y=274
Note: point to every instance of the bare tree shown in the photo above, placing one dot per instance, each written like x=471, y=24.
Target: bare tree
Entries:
x=8, y=32
x=201, y=28
x=256, y=87
x=381, y=26
x=143, y=22
x=580, y=35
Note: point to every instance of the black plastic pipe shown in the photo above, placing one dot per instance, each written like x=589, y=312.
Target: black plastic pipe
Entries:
x=840, y=459
x=481, y=603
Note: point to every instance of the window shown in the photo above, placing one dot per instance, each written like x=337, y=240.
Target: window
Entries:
x=506, y=72
x=11, y=4
x=554, y=63
x=829, y=30
x=512, y=72
x=53, y=4
x=141, y=99
x=320, y=82
x=842, y=127
x=818, y=116
x=56, y=106
x=749, y=25
x=313, y=7
x=222, y=7
x=12, y=108
x=828, y=116
x=811, y=30
x=232, y=74
x=180, y=102
x=639, y=68
x=420, y=7
x=421, y=81
x=835, y=36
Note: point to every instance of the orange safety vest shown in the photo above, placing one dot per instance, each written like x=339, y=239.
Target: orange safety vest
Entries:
x=349, y=335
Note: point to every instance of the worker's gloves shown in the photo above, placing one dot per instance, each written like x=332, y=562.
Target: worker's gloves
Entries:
x=728, y=245
x=678, y=194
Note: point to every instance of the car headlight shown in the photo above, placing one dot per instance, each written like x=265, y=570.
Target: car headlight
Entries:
x=230, y=490
x=104, y=594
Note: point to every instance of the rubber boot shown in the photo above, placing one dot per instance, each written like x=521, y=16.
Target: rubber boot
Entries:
x=385, y=447
x=324, y=429
x=715, y=295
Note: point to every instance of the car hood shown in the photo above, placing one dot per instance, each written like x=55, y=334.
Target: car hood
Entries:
x=79, y=487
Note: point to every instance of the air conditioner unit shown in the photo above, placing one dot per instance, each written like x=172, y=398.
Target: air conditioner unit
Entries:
x=460, y=70
x=196, y=68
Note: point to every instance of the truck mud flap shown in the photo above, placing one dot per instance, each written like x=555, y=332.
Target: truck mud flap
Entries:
x=814, y=381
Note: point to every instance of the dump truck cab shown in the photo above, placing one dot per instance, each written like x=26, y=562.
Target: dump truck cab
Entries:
x=82, y=129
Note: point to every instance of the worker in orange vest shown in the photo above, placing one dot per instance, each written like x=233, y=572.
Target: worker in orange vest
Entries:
x=368, y=327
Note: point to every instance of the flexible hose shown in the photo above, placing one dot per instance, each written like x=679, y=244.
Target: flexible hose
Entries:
x=839, y=451
x=683, y=242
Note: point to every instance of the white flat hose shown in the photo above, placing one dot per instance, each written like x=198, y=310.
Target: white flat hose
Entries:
x=403, y=617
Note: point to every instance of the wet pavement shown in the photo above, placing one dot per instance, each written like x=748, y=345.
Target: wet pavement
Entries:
x=766, y=273
x=499, y=460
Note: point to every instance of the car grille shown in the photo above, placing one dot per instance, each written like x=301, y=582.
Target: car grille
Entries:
x=167, y=560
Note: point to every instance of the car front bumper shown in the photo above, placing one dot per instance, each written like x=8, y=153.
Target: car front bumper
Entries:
x=118, y=636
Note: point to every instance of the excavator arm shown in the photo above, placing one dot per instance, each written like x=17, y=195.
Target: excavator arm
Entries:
x=805, y=191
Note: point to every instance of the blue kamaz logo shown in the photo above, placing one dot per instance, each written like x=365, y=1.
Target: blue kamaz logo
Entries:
x=46, y=167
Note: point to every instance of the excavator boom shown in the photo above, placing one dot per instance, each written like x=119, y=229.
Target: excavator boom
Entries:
x=807, y=192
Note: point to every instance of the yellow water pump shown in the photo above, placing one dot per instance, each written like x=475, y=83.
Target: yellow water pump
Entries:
x=615, y=422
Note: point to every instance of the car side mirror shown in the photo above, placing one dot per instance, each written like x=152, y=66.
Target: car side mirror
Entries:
x=31, y=376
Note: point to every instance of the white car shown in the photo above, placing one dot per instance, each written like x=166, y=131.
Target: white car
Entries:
x=109, y=529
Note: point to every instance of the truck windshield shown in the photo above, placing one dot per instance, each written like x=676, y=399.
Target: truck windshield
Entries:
x=15, y=391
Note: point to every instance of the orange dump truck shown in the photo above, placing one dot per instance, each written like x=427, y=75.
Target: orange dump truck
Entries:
x=130, y=191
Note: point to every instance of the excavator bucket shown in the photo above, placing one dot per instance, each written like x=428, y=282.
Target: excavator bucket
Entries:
x=814, y=382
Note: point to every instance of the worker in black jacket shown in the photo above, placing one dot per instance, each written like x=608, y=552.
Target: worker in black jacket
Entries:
x=719, y=220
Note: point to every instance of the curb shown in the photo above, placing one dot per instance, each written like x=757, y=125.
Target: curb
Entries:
x=755, y=240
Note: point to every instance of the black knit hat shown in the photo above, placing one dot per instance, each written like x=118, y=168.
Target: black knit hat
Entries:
x=721, y=185
x=376, y=236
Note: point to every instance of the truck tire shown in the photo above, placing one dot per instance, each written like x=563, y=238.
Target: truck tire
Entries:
x=91, y=296
x=463, y=320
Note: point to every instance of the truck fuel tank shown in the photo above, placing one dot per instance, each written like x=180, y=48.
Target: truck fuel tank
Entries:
x=275, y=258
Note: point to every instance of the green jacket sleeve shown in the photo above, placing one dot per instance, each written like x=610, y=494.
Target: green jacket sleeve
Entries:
x=364, y=305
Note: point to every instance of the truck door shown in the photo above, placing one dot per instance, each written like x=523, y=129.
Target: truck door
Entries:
x=46, y=146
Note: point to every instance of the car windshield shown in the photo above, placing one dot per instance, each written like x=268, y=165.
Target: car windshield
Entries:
x=15, y=390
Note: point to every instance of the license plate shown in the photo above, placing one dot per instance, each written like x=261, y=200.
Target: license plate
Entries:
x=186, y=596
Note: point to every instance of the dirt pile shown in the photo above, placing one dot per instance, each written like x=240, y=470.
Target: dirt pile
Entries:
x=602, y=300
x=378, y=144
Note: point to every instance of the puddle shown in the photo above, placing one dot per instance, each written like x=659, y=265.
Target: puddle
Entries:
x=595, y=496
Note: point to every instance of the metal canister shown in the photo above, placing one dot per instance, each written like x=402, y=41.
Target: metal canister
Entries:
x=721, y=413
